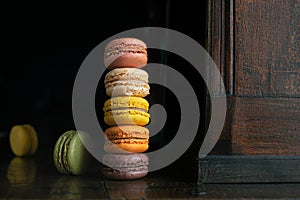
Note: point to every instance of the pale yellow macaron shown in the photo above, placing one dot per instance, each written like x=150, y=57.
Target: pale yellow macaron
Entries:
x=23, y=140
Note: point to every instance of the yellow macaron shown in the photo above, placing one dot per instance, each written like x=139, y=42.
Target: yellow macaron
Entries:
x=23, y=140
x=126, y=110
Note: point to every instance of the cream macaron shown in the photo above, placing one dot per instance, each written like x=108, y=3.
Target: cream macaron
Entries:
x=127, y=82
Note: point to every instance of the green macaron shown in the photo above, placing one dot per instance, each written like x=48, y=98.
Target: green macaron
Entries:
x=69, y=155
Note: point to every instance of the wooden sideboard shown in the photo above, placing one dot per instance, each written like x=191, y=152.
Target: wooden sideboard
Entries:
x=256, y=46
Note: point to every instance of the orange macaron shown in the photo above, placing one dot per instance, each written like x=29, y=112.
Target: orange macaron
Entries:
x=125, y=52
x=126, y=139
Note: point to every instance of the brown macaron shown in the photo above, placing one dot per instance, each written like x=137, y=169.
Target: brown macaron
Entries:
x=125, y=52
x=126, y=139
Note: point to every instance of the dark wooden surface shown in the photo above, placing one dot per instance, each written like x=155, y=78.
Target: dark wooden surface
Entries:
x=256, y=47
x=266, y=126
x=260, y=126
x=249, y=169
x=219, y=41
x=267, y=48
x=36, y=178
x=224, y=191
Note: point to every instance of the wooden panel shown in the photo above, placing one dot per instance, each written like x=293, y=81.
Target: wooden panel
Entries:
x=267, y=48
x=250, y=169
x=220, y=42
x=224, y=146
x=266, y=126
x=260, y=126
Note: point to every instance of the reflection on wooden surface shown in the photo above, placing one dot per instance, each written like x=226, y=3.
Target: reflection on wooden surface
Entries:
x=134, y=189
x=36, y=177
x=21, y=171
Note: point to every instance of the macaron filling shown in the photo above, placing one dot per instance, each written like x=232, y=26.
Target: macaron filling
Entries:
x=126, y=108
x=125, y=48
x=126, y=102
x=132, y=111
x=136, y=83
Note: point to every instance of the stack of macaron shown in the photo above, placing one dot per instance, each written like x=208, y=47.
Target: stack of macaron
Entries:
x=126, y=111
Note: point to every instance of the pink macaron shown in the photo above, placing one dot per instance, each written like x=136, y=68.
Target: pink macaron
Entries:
x=125, y=52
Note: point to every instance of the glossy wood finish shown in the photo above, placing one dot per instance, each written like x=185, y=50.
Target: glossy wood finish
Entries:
x=36, y=178
x=249, y=169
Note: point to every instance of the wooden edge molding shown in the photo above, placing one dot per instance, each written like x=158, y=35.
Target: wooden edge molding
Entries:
x=249, y=169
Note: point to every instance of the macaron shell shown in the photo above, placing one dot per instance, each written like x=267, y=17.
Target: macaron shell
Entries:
x=127, y=60
x=125, y=146
x=132, y=74
x=124, y=41
x=20, y=141
x=77, y=156
x=34, y=139
x=125, y=167
x=125, y=52
x=129, y=160
x=126, y=116
x=125, y=174
x=127, y=131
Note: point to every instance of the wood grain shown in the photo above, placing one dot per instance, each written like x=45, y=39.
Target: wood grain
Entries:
x=223, y=191
x=260, y=126
x=224, y=144
x=249, y=169
x=266, y=126
x=130, y=189
x=220, y=43
x=267, y=48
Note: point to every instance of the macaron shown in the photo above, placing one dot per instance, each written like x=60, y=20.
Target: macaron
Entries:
x=125, y=52
x=127, y=82
x=69, y=154
x=126, y=110
x=125, y=166
x=23, y=140
x=126, y=139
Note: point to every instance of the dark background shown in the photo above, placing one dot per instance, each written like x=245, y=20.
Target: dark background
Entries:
x=45, y=44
